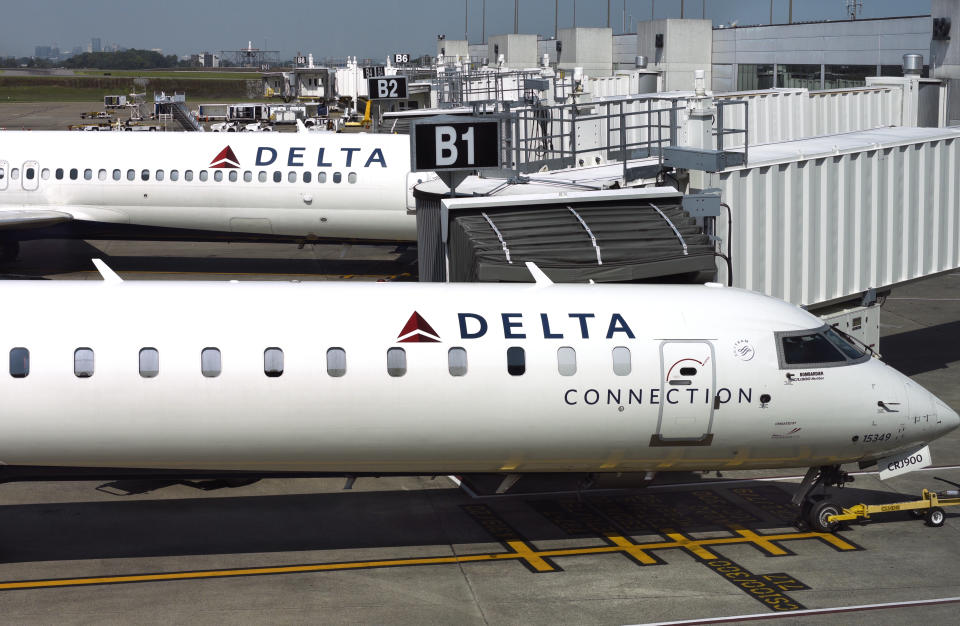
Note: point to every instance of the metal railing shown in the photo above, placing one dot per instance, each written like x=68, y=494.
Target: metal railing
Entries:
x=578, y=134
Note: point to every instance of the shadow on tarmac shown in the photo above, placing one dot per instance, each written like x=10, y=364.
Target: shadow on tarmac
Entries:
x=923, y=350
x=62, y=256
x=381, y=519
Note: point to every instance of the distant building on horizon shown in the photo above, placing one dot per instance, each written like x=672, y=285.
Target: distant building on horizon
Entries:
x=95, y=45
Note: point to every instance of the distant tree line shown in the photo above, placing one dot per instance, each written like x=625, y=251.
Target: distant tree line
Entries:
x=122, y=60
x=25, y=62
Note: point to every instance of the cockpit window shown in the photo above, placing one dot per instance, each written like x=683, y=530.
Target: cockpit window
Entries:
x=823, y=347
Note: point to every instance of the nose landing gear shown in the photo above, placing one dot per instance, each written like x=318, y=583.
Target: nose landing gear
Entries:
x=815, y=511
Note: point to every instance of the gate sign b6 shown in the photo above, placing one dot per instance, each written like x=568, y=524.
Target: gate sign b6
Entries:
x=387, y=88
x=450, y=143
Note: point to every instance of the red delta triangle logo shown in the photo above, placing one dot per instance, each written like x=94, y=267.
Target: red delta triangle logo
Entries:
x=226, y=159
x=417, y=330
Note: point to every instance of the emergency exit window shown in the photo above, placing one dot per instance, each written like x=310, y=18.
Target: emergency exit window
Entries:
x=396, y=362
x=149, y=362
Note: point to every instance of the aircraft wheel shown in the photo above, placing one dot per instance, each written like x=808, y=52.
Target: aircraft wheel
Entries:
x=936, y=517
x=818, y=514
x=9, y=251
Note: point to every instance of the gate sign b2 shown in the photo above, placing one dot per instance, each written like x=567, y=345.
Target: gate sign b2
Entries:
x=387, y=88
x=450, y=143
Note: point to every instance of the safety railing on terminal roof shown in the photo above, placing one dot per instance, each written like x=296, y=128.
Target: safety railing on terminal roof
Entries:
x=456, y=89
x=618, y=131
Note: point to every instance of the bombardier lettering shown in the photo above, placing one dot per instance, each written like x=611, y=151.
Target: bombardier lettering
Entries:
x=474, y=326
x=344, y=157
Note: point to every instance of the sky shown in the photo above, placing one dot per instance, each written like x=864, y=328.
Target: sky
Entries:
x=362, y=28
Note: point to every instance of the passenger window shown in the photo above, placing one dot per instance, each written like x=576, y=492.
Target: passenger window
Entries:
x=188, y=175
x=116, y=175
x=19, y=362
x=247, y=176
x=396, y=362
x=44, y=173
x=457, y=361
x=307, y=176
x=621, y=361
x=233, y=176
x=149, y=362
x=336, y=362
x=262, y=177
x=15, y=174
x=291, y=177
x=83, y=362
x=516, y=361
x=158, y=175
x=131, y=175
x=337, y=177
x=204, y=175
x=2, y=173
x=566, y=361
x=102, y=175
x=59, y=173
x=218, y=175
x=210, y=362
x=29, y=173
x=174, y=175
x=277, y=177
x=74, y=173
x=273, y=362
x=810, y=349
x=88, y=174
x=352, y=177
x=321, y=177
x=144, y=175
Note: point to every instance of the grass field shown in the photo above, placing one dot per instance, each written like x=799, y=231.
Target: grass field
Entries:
x=46, y=93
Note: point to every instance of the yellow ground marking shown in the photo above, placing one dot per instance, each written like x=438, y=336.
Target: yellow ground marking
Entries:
x=759, y=540
x=528, y=554
x=521, y=551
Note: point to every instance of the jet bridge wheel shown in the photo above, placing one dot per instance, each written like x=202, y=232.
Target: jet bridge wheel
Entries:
x=935, y=517
x=9, y=251
x=818, y=513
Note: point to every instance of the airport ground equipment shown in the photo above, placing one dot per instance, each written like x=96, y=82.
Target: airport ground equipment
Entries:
x=826, y=516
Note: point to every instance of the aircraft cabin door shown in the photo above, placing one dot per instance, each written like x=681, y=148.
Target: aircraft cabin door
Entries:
x=30, y=176
x=687, y=388
x=4, y=174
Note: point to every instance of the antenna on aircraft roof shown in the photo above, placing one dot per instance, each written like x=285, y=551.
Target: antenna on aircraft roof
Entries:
x=538, y=276
x=109, y=276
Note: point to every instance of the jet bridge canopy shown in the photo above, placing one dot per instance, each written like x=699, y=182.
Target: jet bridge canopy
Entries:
x=605, y=236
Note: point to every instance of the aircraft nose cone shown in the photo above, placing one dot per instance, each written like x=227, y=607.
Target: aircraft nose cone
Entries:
x=949, y=419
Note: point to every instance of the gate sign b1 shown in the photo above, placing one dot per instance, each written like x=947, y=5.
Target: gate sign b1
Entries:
x=451, y=143
x=387, y=88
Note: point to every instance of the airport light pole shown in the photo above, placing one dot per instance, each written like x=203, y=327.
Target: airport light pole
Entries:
x=466, y=16
x=516, y=17
x=483, y=20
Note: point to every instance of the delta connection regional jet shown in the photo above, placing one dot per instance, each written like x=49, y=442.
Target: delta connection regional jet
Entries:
x=205, y=186
x=256, y=379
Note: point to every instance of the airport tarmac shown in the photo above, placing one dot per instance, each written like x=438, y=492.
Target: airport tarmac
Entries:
x=422, y=550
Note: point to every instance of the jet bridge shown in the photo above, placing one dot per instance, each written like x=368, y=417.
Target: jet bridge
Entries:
x=605, y=236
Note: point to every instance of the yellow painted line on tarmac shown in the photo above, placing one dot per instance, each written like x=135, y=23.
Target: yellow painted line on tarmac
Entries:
x=537, y=559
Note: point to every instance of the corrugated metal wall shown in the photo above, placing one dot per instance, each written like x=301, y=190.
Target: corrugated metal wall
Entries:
x=789, y=114
x=821, y=229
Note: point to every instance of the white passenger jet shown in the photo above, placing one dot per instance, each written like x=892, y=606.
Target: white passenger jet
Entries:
x=265, y=379
x=204, y=186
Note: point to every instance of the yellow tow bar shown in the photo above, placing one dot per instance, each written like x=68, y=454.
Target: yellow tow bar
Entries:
x=929, y=507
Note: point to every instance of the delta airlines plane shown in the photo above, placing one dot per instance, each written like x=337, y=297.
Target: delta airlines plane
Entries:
x=262, y=379
x=205, y=186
